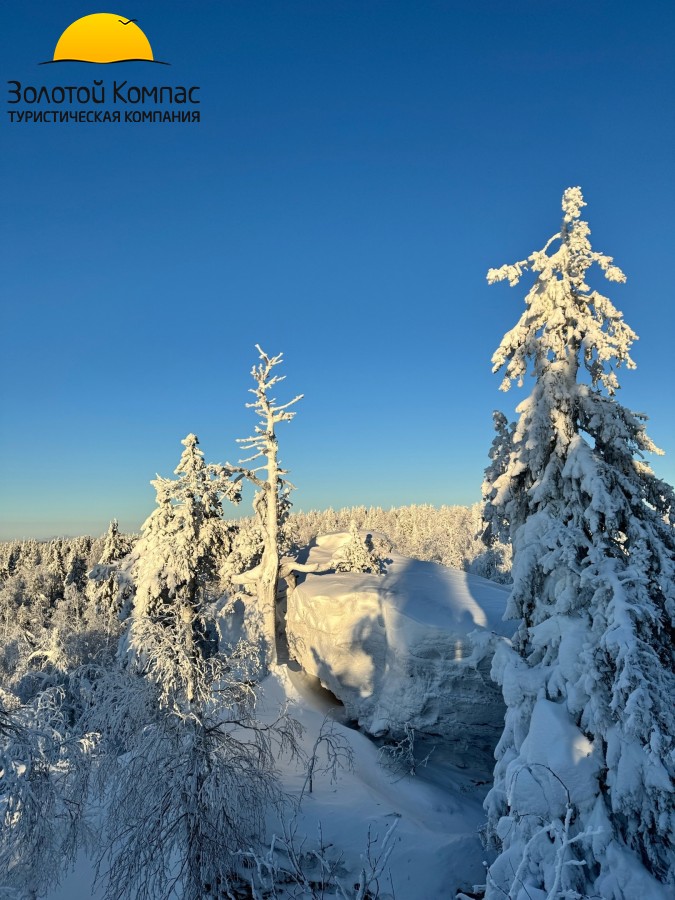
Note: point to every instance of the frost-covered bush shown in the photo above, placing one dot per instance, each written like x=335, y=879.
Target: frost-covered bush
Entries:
x=294, y=867
x=398, y=753
x=187, y=786
x=44, y=783
x=358, y=554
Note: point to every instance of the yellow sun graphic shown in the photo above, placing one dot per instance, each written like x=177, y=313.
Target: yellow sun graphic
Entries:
x=103, y=38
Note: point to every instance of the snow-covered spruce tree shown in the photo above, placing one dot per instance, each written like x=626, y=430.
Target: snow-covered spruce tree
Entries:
x=109, y=594
x=583, y=803
x=175, y=559
x=271, y=502
x=358, y=554
x=500, y=456
x=190, y=772
x=115, y=545
x=495, y=562
x=109, y=589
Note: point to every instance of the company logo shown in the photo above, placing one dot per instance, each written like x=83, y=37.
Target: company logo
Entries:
x=103, y=38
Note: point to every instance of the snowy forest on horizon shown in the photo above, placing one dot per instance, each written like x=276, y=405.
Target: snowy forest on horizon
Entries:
x=133, y=667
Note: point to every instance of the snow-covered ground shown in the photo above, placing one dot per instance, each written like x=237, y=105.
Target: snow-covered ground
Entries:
x=438, y=811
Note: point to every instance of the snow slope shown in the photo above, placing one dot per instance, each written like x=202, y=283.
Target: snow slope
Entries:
x=436, y=848
x=439, y=811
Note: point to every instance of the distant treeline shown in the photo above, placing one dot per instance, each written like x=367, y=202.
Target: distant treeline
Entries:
x=450, y=535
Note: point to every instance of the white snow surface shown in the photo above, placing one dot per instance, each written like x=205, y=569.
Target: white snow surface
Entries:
x=413, y=646
x=439, y=811
x=553, y=745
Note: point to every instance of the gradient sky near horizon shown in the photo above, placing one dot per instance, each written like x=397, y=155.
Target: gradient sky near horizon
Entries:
x=359, y=166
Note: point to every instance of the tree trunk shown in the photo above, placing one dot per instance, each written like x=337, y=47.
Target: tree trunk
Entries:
x=270, y=561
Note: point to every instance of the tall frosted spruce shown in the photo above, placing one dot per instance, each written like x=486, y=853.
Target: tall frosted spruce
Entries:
x=583, y=803
x=174, y=563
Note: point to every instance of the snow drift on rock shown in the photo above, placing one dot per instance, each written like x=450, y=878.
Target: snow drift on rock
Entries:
x=413, y=647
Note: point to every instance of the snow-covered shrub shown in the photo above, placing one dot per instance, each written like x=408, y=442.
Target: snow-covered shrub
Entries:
x=398, y=753
x=330, y=753
x=294, y=867
x=192, y=786
x=358, y=554
x=583, y=802
x=44, y=783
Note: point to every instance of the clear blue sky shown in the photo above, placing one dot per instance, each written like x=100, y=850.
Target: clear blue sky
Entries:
x=359, y=167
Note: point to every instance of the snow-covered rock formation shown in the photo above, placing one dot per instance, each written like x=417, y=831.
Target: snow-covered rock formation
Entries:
x=413, y=646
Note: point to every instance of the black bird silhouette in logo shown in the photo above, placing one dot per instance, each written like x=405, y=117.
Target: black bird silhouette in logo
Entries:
x=128, y=22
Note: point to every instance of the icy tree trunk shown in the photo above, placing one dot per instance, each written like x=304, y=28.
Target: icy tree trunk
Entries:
x=269, y=567
x=265, y=446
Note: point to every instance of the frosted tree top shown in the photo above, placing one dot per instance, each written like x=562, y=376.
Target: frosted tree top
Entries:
x=565, y=319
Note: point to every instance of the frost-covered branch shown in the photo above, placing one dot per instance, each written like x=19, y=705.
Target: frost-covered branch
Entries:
x=338, y=752
x=293, y=868
x=44, y=783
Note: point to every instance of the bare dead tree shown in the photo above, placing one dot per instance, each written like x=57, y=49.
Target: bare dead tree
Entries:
x=270, y=489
